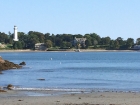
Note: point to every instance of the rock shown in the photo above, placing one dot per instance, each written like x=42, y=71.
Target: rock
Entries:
x=22, y=63
x=1, y=60
x=20, y=100
x=10, y=87
x=5, y=65
x=2, y=90
x=57, y=101
x=41, y=79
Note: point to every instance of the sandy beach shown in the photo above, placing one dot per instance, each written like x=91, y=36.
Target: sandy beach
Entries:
x=92, y=98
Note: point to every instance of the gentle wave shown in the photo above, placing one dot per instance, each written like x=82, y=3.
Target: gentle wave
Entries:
x=71, y=90
x=50, y=89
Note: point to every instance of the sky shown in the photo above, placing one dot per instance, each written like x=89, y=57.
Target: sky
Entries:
x=113, y=18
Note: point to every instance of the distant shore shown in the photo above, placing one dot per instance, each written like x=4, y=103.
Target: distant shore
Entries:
x=93, y=98
x=71, y=50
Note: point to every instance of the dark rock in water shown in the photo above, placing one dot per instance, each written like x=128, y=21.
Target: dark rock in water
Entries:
x=22, y=63
x=5, y=65
x=10, y=87
x=41, y=79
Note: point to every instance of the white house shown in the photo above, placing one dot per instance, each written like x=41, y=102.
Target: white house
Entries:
x=40, y=46
x=136, y=47
x=81, y=41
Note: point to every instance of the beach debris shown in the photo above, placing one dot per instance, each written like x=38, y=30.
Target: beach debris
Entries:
x=2, y=90
x=41, y=79
x=20, y=100
x=112, y=104
x=82, y=91
x=58, y=101
x=10, y=87
x=22, y=63
x=87, y=104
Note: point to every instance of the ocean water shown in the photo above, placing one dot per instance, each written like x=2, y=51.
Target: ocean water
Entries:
x=74, y=70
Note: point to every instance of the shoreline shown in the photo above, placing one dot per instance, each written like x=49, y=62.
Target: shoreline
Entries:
x=72, y=50
x=57, y=98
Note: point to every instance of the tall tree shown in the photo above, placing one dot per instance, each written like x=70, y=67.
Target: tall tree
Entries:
x=129, y=42
x=48, y=43
x=17, y=45
x=96, y=37
x=88, y=41
x=138, y=41
x=3, y=38
x=120, y=40
x=105, y=40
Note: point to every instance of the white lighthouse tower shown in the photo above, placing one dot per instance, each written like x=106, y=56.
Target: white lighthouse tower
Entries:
x=15, y=34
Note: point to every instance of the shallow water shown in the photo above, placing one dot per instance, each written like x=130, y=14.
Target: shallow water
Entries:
x=74, y=71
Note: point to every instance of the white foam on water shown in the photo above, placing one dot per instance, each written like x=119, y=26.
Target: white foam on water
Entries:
x=49, y=89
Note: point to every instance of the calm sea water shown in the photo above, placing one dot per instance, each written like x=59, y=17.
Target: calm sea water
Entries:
x=74, y=70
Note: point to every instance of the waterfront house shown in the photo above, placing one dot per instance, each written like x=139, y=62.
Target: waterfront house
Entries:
x=136, y=47
x=81, y=41
x=40, y=46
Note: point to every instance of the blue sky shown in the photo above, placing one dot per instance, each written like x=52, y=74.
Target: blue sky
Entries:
x=113, y=18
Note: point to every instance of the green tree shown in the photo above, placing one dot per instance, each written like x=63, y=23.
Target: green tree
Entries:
x=95, y=42
x=47, y=36
x=17, y=45
x=105, y=40
x=138, y=41
x=94, y=37
x=120, y=40
x=66, y=37
x=32, y=39
x=66, y=44
x=48, y=43
x=3, y=38
x=88, y=43
x=58, y=41
x=116, y=44
x=112, y=46
x=129, y=42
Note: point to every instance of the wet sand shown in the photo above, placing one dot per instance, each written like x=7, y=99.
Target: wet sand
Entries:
x=94, y=98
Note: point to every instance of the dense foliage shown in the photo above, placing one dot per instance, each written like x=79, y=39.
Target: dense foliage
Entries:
x=94, y=41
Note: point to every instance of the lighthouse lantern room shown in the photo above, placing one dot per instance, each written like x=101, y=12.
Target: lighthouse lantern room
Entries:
x=15, y=34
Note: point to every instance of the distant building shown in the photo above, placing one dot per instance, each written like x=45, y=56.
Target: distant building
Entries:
x=136, y=47
x=40, y=46
x=81, y=41
x=15, y=34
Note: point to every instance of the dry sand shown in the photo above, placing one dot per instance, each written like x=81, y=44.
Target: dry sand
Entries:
x=94, y=98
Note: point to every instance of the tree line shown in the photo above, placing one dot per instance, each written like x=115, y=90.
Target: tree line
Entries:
x=94, y=41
